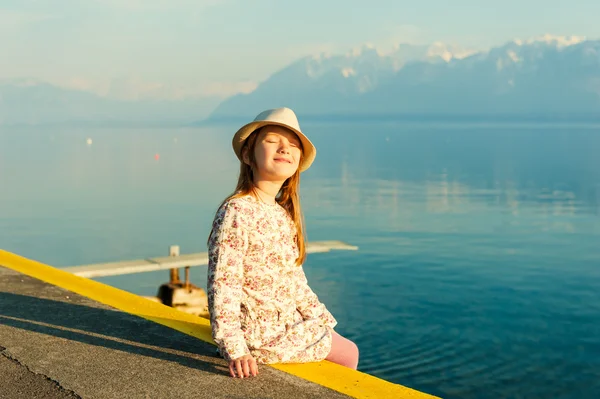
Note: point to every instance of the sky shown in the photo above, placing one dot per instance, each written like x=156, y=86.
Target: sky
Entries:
x=203, y=48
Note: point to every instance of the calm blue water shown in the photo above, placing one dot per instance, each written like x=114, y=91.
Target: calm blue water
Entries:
x=478, y=274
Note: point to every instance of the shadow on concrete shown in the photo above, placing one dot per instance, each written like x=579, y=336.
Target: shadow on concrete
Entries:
x=107, y=328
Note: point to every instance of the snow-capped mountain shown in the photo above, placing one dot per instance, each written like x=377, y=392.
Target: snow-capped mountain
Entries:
x=549, y=76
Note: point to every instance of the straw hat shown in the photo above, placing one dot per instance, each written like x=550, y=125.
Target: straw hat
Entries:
x=284, y=117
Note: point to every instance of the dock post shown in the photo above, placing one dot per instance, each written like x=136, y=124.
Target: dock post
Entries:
x=183, y=296
x=187, y=279
x=174, y=273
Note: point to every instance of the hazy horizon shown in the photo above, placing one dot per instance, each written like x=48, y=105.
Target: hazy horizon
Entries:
x=210, y=48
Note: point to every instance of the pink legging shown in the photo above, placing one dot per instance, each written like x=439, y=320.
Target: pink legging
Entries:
x=343, y=351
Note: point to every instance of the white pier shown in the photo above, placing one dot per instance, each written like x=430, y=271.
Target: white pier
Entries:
x=176, y=261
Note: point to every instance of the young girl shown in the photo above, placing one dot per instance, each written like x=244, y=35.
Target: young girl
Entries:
x=261, y=307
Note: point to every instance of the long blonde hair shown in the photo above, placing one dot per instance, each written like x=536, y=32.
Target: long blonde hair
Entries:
x=288, y=196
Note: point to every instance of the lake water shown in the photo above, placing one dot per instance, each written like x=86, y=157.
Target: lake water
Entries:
x=478, y=273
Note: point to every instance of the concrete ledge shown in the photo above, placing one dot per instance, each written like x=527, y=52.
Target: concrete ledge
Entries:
x=92, y=350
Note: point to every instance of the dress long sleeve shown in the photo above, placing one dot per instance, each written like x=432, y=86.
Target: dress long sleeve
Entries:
x=259, y=300
x=227, y=245
x=308, y=303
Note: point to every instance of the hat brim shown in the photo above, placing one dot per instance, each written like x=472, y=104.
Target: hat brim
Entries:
x=309, y=151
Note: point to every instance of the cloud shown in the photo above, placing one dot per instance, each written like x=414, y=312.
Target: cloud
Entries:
x=83, y=84
x=11, y=21
x=134, y=88
x=226, y=89
x=309, y=49
x=559, y=41
x=157, y=5
x=393, y=35
x=121, y=88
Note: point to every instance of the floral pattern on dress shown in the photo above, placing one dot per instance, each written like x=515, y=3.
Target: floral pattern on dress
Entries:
x=259, y=300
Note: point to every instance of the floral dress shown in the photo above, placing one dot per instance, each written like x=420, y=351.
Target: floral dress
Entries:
x=259, y=300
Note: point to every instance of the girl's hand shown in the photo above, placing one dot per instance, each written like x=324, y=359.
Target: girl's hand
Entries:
x=244, y=366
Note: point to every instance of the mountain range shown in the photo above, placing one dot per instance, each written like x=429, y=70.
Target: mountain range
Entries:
x=549, y=77
x=32, y=102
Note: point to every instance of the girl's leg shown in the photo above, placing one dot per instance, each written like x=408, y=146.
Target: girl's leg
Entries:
x=343, y=351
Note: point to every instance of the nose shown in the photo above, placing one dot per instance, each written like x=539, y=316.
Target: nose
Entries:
x=284, y=148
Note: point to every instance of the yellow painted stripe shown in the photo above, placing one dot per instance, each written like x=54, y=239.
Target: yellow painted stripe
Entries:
x=338, y=378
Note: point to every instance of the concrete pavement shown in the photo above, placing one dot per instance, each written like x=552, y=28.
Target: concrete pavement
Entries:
x=58, y=344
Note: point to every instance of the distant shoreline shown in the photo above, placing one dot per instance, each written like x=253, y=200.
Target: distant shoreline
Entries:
x=412, y=119
x=426, y=118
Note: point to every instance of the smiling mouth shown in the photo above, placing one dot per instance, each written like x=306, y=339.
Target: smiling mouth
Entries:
x=282, y=160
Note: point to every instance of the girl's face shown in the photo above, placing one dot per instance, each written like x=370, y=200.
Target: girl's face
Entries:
x=277, y=153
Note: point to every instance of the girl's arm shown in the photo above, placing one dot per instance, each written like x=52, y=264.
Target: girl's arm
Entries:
x=308, y=303
x=227, y=245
